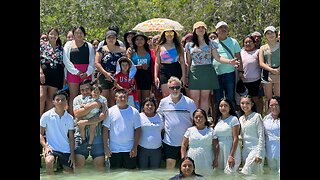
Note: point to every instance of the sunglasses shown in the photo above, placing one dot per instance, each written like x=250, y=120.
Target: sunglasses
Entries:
x=167, y=33
x=175, y=87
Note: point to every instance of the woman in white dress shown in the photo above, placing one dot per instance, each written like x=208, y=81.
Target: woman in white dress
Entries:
x=227, y=130
x=252, y=133
x=271, y=124
x=201, y=141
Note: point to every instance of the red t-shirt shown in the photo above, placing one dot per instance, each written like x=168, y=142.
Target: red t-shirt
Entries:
x=124, y=82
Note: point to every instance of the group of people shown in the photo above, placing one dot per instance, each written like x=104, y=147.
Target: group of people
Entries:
x=115, y=115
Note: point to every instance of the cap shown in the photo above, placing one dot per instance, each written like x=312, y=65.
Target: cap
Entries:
x=221, y=23
x=110, y=33
x=256, y=33
x=198, y=24
x=269, y=28
x=187, y=36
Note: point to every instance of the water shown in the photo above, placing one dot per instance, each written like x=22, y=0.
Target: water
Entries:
x=89, y=173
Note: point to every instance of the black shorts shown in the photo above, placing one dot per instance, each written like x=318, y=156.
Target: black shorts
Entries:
x=122, y=160
x=63, y=158
x=105, y=84
x=253, y=87
x=143, y=79
x=54, y=75
x=168, y=70
x=172, y=152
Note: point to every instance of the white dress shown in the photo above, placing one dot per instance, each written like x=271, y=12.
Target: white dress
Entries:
x=201, y=147
x=252, y=132
x=272, y=133
x=223, y=131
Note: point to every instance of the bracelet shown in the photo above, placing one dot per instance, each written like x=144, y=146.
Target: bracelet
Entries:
x=241, y=71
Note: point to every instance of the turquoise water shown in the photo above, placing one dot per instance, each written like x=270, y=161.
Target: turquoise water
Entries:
x=89, y=173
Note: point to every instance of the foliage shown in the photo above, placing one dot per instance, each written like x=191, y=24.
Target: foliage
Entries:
x=242, y=16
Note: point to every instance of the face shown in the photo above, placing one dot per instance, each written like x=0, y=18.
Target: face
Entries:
x=187, y=168
x=222, y=31
x=246, y=104
x=140, y=41
x=95, y=44
x=150, y=40
x=257, y=39
x=111, y=39
x=201, y=30
x=169, y=34
x=78, y=34
x=129, y=38
x=155, y=39
x=95, y=92
x=274, y=107
x=53, y=36
x=85, y=90
x=199, y=119
x=60, y=101
x=248, y=44
x=44, y=37
x=125, y=66
x=270, y=35
x=224, y=108
x=149, y=107
x=213, y=36
x=69, y=36
x=121, y=99
x=174, y=89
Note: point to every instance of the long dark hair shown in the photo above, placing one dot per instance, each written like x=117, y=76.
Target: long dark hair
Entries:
x=231, y=112
x=203, y=112
x=58, y=40
x=194, y=166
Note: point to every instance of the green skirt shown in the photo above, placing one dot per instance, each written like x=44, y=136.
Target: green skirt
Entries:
x=203, y=77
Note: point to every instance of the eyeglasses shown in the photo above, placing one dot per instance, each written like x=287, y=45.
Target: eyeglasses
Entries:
x=175, y=87
x=167, y=33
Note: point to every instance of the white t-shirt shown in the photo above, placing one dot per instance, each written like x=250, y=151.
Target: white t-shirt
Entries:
x=122, y=123
x=151, y=128
x=57, y=129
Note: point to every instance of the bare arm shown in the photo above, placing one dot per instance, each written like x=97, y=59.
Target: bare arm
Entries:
x=157, y=67
x=216, y=150
x=105, y=137
x=224, y=60
x=183, y=66
x=235, y=135
x=184, y=145
x=137, y=132
x=72, y=145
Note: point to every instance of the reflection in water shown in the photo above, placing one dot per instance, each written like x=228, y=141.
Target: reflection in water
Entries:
x=89, y=173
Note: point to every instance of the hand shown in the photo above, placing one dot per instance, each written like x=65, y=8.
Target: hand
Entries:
x=156, y=82
x=257, y=160
x=46, y=151
x=83, y=75
x=231, y=161
x=145, y=66
x=72, y=160
x=42, y=78
x=235, y=62
x=107, y=152
x=133, y=152
x=215, y=163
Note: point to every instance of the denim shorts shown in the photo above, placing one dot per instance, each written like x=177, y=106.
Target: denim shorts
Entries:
x=96, y=150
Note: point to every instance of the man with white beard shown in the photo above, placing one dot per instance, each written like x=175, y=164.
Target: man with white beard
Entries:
x=176, y=110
